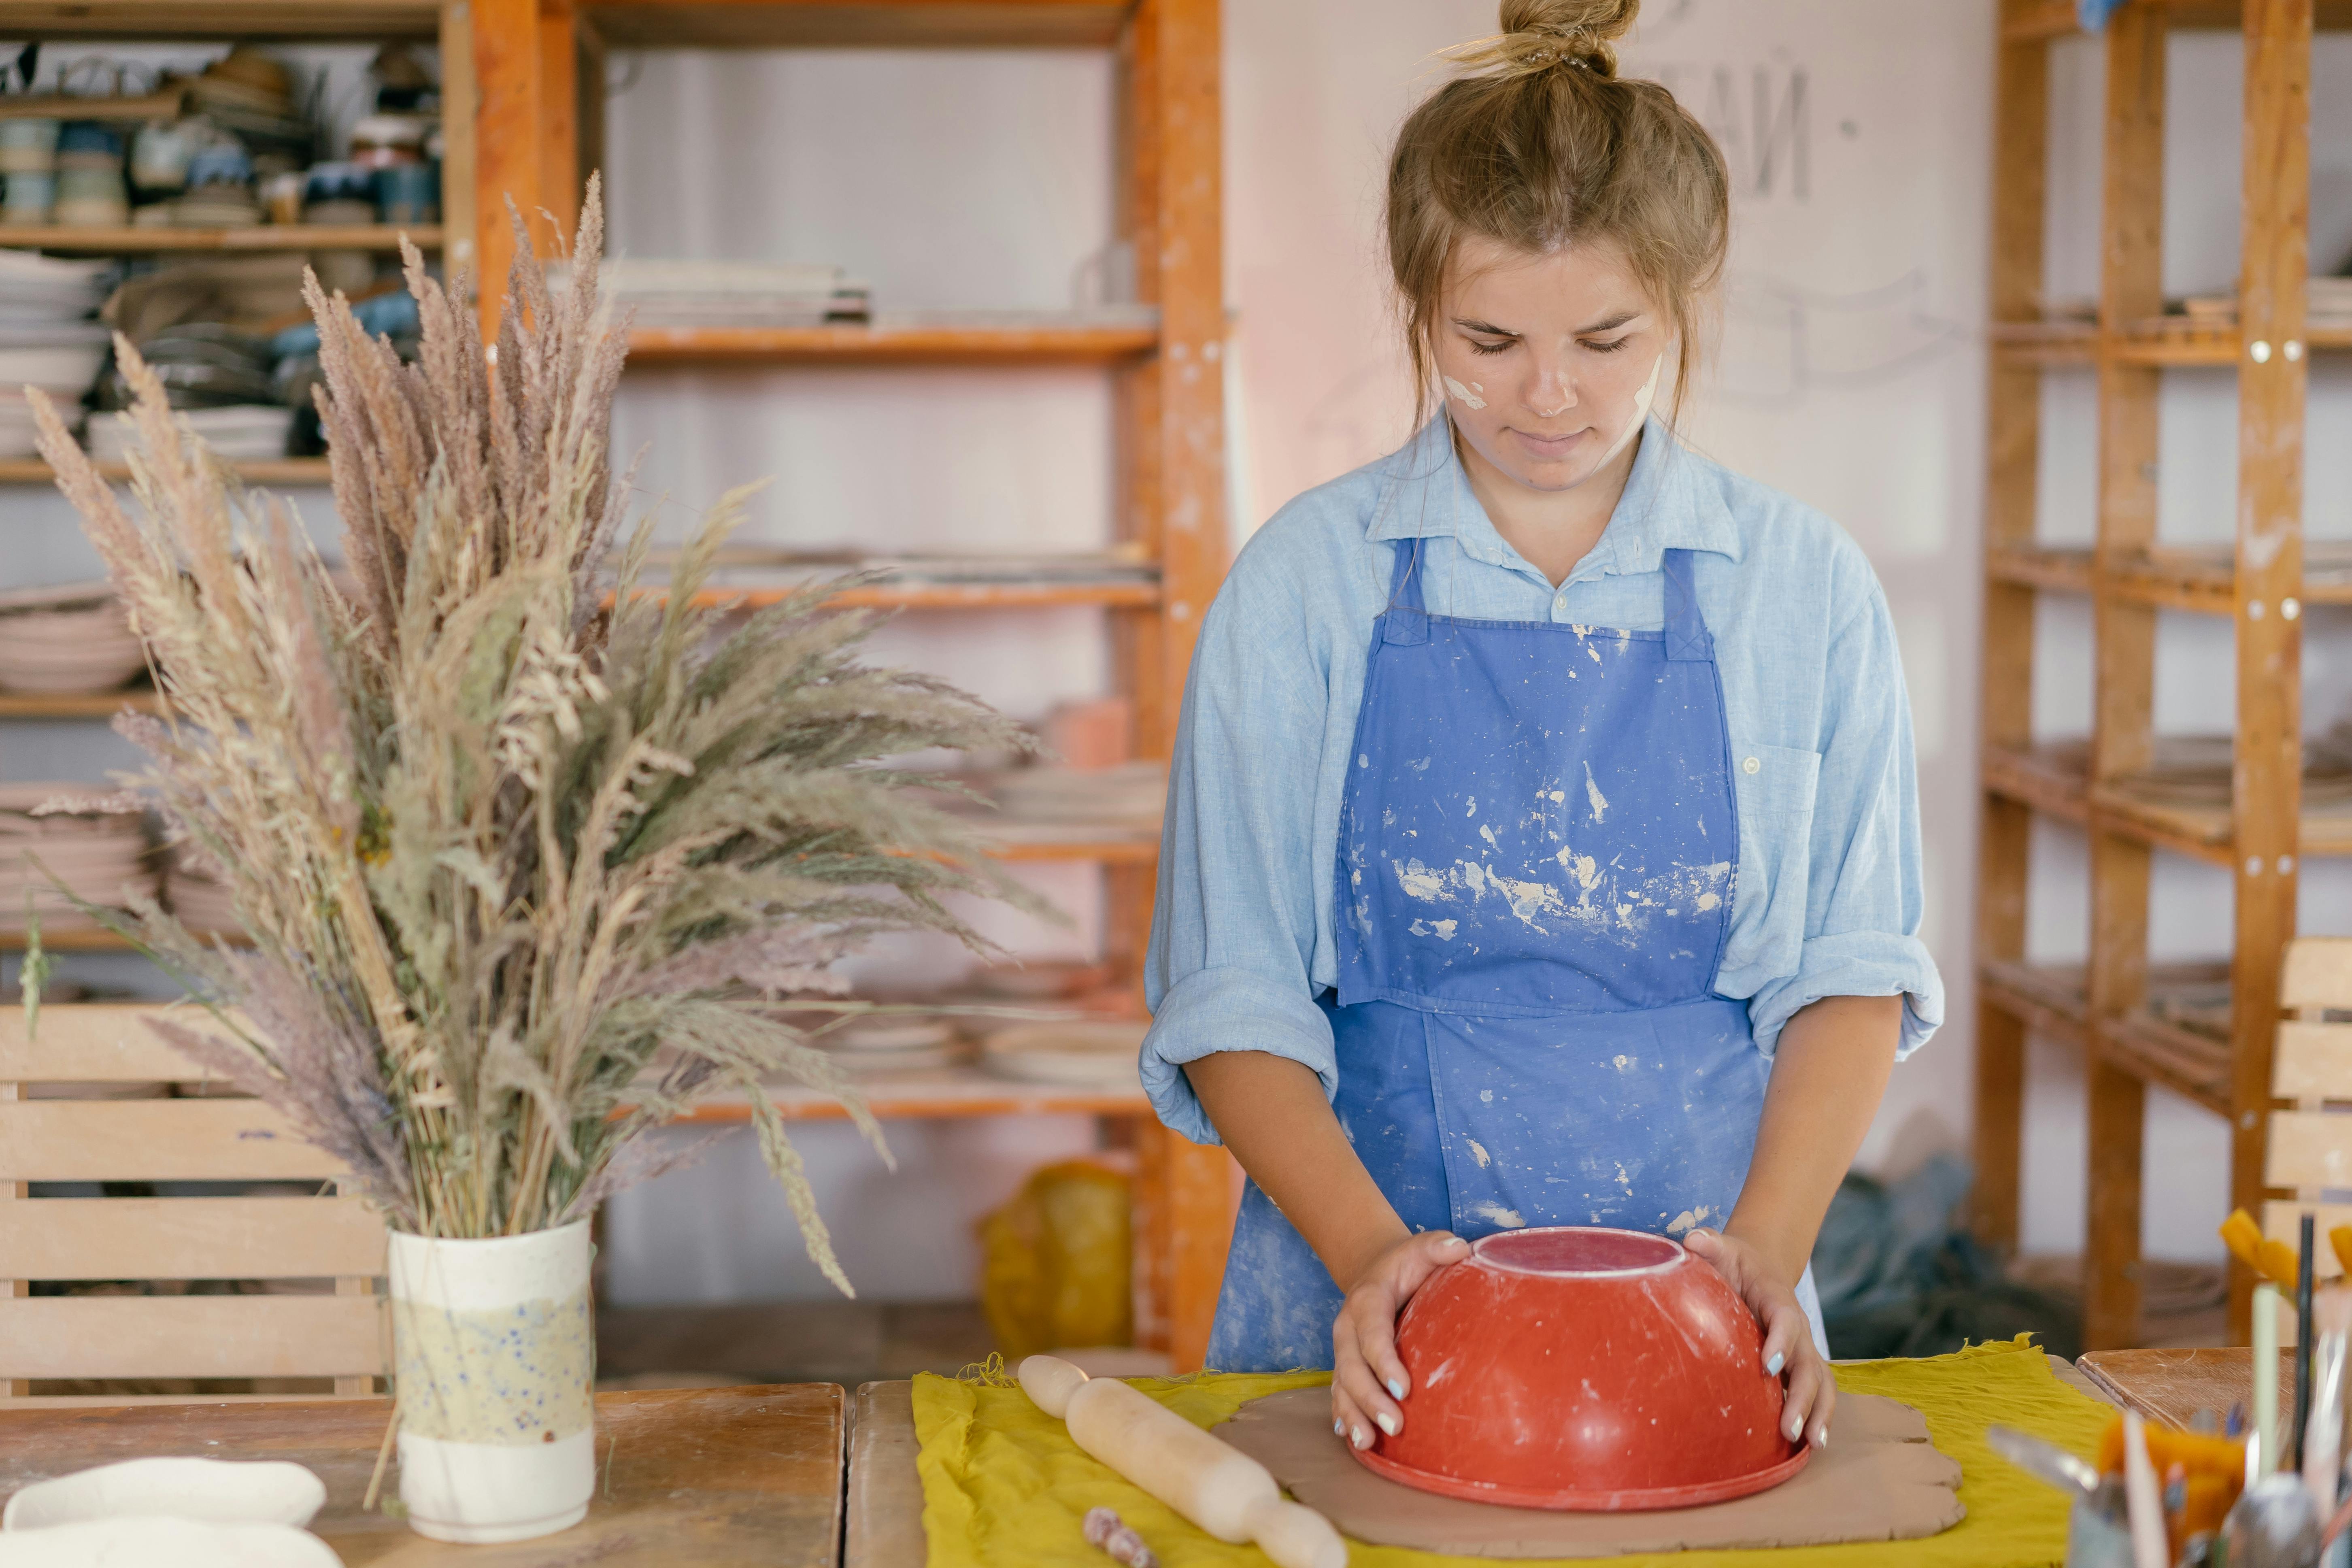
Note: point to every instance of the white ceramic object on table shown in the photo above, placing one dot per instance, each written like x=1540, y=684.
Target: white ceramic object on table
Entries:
x=218, y=1492
x=495, y=1349
x=155, y=1542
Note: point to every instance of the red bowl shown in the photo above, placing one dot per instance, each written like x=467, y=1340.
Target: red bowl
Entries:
x=1575, y=1368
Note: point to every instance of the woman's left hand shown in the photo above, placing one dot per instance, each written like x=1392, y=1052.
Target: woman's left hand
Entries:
x=1788, y=1336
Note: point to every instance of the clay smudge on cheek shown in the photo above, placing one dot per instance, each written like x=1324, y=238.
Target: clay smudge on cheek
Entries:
x=1470, y=399
x=1642, y=402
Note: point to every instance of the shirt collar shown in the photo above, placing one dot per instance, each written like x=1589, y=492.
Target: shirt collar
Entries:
x=1425, y=494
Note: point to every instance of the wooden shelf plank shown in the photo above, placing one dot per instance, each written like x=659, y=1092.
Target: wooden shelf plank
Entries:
x=93, y=705
x=2165, y=342
x=94, y=940
x=195, y=20
x=2040, y=777
x=253, y=471
x=2048, y=19
x=885, y=344
x=259, y=236
x=864, y=24
x=2052, y=569
x=2051, y=1000
x=953, y=596
x=2049, y=779
x=1110, y=849
x=947, y=1092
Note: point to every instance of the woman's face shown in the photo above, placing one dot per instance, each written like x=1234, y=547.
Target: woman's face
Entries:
x=1550, y=362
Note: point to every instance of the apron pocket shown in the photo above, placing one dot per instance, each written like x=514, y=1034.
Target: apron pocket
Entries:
x=1774, y=788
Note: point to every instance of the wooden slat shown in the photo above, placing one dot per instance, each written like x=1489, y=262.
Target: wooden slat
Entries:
x=857, y=24
x=191, y=1238
x=2034, y=566
x=2309, y=1149
x=507, y=163
x=461, y=204
x=2268, y=757
x=191, y=1336
x=2313, y=1061
x=1185, y=1195
x=96, y=1042
x=2318, y=973
x=154, y=1141
x=252, y=471
x=2021, y=159
x=184, y=21
x=2041, y=779
x=2046, y=1001
x=887, y=344
x=2193, y=1066
x=2047, y=20
x=2283, y=1221
x=126, y=241
x=2122, y=736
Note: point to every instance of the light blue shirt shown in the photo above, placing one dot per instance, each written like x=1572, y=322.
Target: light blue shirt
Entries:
x=1827, y=898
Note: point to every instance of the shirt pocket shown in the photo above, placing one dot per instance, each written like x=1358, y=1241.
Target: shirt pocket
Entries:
x=1773, y=787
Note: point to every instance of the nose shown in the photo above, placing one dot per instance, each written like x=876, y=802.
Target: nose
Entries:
x=1553, y=394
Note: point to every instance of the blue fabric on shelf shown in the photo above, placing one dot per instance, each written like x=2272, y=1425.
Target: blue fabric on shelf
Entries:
x=2092, y=13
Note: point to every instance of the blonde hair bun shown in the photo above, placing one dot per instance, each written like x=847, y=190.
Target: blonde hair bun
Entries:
x=1538, y=33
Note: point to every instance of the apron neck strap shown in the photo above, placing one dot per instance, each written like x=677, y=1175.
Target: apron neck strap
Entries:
x=1404, y=581
x=1687, y=633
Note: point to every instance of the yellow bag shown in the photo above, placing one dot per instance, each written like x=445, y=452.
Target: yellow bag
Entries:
x=1056, y=1261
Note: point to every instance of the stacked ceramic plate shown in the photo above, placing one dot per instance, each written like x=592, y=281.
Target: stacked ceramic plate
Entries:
x=241, y=432
x=896, y=1043
x=733, y=293
x=1089, y=1055
x=36, y=290
x=202, y=901
x=67, y=640
x=97, y=849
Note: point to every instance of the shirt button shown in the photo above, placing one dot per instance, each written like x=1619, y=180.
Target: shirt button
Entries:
x=1751, y=766
x=1560, y=603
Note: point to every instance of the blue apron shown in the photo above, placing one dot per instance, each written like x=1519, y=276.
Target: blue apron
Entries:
x=1538, y=846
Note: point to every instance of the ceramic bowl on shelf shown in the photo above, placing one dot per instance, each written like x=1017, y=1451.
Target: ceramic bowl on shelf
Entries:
x=61, y=358
x=74, y=647
x=1584, y=1369
x=1073, y=1054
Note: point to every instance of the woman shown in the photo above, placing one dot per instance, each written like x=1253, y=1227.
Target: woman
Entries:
x=1543, y=842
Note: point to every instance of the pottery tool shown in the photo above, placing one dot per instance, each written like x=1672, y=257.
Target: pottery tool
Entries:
x=2264, y=1435
x=1108, y=1533
x=2042, y=1459
x=2144, y=1509
x=2322, y=1442
x=1217, y=1487
x=2302, y=1340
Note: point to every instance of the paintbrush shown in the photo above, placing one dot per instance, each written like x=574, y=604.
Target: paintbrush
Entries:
x=2306, y=1238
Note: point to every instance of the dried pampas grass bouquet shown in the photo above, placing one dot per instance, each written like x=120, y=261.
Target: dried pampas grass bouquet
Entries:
x=518, y=842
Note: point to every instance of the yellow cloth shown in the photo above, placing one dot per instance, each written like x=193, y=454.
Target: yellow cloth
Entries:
x=1003, y=1485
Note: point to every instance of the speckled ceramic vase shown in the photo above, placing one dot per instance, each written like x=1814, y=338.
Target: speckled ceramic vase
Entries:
x=494, y=1346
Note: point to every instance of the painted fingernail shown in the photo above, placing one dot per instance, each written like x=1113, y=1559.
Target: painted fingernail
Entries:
x=1361, y=1439
x=1821, y=1437
x=1388, y=1423
x=1338, y=1428
x=1796, y=1430
x=1772, y=1367
x=1396, y=1388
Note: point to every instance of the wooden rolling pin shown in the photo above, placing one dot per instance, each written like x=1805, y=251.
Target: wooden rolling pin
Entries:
x=1218, y=1488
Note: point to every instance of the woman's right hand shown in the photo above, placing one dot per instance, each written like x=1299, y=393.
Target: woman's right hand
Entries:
x=1368, y=1382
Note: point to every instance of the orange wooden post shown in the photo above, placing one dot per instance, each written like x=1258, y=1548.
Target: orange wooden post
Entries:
x=1185, y=1198
x=2021, y=155
x=512, y=141
x=2124, y=630
x=2271, y=368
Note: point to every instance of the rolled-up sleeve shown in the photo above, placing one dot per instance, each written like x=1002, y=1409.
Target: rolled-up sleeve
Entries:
x=1863, y=900
x=1233, y=926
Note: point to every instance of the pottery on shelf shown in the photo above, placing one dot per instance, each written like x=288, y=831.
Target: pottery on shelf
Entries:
x=494, y=1347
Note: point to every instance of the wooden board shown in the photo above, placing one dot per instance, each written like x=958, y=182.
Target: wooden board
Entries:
x=2313, y=1061
x=864, y=24
x=2173, y=1385
x=96, y=1042
x=2317, y=973
x=2308, y=1149
x=886, y=345
x=884, y=1528
x=191, y=1336
x=191, y=1238
x=718, y=1477
x=154, y=1141
x=127, y=241
x=183, y=21
x=2283, y=1221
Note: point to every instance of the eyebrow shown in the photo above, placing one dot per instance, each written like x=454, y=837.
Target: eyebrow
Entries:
x=1606, y=324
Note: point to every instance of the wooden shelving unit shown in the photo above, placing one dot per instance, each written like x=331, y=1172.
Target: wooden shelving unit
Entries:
x=539, y=125
x=2113, y=1007
x=129, y=241
x=253, y=471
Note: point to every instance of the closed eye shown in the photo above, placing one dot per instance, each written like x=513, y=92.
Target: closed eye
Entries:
x=1478, y=347
x=1612, y=347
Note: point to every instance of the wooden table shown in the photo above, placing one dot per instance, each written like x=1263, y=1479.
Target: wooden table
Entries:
x=708, y=1476
x=2172, y=1386
x=885, y=1507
